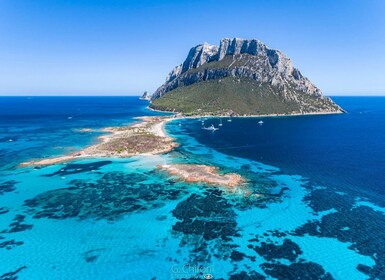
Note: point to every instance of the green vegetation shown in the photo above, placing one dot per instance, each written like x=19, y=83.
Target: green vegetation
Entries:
x=232, y=96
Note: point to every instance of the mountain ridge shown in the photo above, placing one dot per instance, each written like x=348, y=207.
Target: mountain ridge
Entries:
x=243, y=59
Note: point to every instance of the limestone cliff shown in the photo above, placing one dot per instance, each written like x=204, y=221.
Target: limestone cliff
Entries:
x=252, y=66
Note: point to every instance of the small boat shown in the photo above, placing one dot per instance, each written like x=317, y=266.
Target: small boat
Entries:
x=69, y=118
x=212, y=128
x=180, y=124
x=220, y=122
x=229, y=120
x=260, y=122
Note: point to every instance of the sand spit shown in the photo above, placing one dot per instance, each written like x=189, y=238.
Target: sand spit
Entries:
x=145, y=137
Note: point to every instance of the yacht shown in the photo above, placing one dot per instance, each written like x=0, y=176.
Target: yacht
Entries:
x=260, y=122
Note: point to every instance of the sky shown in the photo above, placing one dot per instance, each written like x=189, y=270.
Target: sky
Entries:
x=108, y=47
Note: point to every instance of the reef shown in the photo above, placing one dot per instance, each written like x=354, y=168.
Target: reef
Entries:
x=18, y=225
x=361, y=226
x=10, y=244
x=301, y=270
x=75, y=168
x=288, y=250
x=13, y=274
x=110, y=197
x=8, y=186
x=3, y=210
x=207, y=223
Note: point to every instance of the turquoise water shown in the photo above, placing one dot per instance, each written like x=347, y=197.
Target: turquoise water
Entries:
x=123, y=219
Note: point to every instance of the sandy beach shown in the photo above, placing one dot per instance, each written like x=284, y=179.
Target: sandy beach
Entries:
x=145, y=137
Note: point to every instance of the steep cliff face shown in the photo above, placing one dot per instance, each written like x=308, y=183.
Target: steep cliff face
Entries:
x=244, y=60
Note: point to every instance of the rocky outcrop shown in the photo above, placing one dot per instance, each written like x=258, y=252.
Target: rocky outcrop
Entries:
x=238, y=46
x=145, y=96
x=241, y=59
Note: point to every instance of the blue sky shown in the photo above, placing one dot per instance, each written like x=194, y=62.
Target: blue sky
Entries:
x=126, y=47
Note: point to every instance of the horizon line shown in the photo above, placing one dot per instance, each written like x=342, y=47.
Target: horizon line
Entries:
x=140, y=94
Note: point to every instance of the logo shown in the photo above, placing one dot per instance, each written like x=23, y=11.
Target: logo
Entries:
x=192, y=271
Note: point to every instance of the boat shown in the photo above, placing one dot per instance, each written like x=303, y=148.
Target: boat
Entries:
x=220, y=122
x=260, y=122
x=229, y=120
x=212, y=128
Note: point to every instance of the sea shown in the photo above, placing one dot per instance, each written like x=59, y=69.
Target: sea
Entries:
x=316, y=209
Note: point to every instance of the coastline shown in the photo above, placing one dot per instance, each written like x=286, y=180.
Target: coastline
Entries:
x=150, y=129
x=147, y=137
x=182, y=116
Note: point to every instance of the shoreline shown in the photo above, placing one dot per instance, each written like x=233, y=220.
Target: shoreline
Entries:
x=182, y=116
x=148, y=129
x=146, y=137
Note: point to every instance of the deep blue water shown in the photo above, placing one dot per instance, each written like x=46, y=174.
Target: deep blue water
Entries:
x=33, y=127
x=346, y=151
x=312, y=206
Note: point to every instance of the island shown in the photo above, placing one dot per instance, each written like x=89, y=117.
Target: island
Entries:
x=239, y=78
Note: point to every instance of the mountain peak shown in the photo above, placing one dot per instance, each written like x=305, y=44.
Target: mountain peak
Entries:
x=248, y=60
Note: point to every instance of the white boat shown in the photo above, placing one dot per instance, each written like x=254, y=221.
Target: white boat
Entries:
x=260, y=122
x=212, y=128
x=229, y=120
x=220, y=122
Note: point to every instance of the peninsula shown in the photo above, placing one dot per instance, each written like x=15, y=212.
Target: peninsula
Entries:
x=148, y=138
x=144, y=137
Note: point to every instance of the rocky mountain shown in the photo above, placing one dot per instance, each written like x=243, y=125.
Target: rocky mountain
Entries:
x=145, y=96
x=240, y=77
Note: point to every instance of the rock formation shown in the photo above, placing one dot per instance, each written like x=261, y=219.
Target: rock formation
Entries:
x=245, y=60
x=145, y=96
